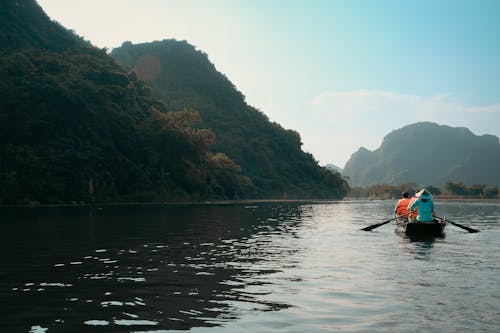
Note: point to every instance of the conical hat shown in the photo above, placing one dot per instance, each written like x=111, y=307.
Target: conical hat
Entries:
x=424, y=194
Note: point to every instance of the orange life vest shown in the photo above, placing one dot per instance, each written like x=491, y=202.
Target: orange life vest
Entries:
x=402, y=206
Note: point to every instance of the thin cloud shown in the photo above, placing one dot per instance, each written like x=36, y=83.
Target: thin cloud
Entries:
x=351, y=119
x=367, y=104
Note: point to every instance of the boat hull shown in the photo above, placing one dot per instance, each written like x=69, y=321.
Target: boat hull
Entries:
x=418, y=229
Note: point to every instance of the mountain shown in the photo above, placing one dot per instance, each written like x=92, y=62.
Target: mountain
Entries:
x=75, y=126
x=426, y=153
x=271, y=156
x=334, y=168
x=24, y=25
x=70, y=116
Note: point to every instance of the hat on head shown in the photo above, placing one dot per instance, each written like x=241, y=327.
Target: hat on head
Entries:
x=423, y=194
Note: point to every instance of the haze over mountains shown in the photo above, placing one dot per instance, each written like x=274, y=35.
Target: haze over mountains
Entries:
x=70, y=116
x=426, y=153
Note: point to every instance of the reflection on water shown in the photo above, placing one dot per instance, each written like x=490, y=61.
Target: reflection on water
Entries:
x=259, y=268
x=418, y=248
x=170, y=268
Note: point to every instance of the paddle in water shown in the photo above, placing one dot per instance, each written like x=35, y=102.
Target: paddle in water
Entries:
x=373, y=226
x=469, y=229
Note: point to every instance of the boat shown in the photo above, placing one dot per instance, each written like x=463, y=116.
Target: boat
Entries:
x=413, y=228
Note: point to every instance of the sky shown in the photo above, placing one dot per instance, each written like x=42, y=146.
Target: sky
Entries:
x=341, y=73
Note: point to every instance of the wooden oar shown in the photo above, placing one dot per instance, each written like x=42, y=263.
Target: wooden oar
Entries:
x=469, y=229
x=373, y=226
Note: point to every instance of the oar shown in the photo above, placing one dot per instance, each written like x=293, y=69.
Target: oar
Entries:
x=373, y=226
x=469, y=229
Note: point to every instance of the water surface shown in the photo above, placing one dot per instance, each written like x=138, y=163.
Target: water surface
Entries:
x=284, y=267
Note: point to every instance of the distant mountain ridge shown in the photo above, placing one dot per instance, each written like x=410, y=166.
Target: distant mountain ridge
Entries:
x=426, y=153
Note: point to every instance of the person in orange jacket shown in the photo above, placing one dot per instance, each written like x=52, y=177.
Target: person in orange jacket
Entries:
x=401, y=208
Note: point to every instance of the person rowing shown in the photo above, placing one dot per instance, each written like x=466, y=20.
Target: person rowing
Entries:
x=425, y=206
x=401, y=209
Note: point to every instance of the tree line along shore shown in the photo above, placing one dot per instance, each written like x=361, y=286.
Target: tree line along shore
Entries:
x=451, y=191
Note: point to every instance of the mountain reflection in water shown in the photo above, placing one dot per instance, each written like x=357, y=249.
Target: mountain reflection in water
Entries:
x=169, y=268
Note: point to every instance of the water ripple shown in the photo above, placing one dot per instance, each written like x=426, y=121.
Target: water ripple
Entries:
x=258, y=268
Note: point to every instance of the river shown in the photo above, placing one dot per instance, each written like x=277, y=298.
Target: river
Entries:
x=251, y=267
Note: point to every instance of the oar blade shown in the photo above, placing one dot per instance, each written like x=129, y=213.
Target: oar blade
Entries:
x=373, y=226
x=469, y=229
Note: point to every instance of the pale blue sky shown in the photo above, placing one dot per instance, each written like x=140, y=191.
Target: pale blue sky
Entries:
x=341, y=73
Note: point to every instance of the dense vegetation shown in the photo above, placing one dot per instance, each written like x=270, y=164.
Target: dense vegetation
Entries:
x=475, y=190
x=268, y=154
x=428, y=153
x=74, y=115
x=69, y=115
x=24, y=25
x=386, y=191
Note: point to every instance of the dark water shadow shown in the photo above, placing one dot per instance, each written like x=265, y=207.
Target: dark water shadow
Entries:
x=125, y=269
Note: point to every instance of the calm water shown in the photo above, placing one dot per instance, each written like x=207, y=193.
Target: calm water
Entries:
x=246, y=268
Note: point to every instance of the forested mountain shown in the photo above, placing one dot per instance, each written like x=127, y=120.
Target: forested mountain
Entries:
x=24, y=25
x=71, y=117
x=271, y=156
x=428, y=154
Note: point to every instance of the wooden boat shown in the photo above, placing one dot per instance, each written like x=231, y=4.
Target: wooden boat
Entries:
x=413, y=228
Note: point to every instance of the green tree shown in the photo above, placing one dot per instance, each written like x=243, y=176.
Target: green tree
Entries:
x=476, y=189
x=456, y=188
x=490, y=192
x=434, y=190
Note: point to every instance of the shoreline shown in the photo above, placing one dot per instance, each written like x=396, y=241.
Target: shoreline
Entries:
x=181, y=203
x=239, y=202
x=497, y=200
x=438, y=198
